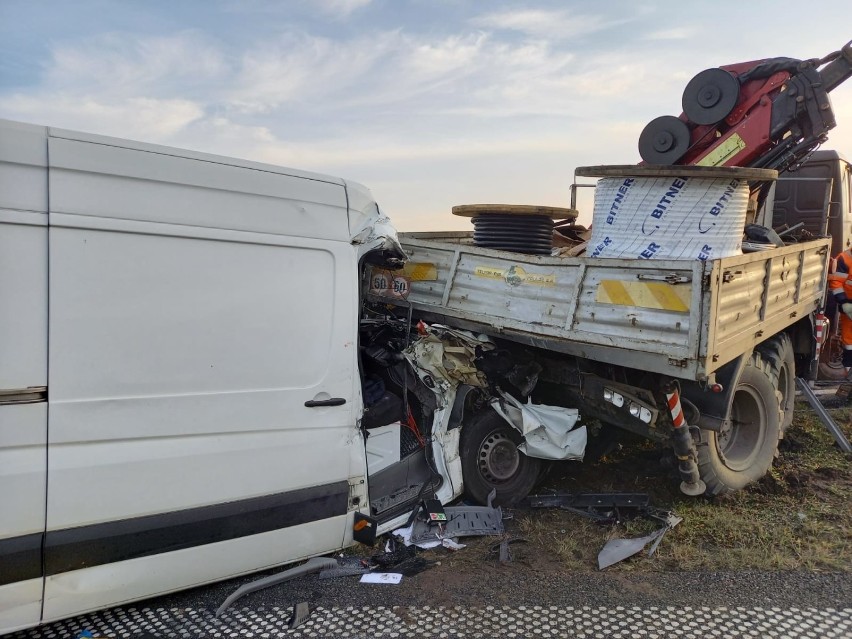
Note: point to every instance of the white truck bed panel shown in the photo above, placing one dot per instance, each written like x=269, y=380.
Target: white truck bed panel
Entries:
x=681, y=318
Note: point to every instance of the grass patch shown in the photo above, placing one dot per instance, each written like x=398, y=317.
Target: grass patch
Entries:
x=797, y=517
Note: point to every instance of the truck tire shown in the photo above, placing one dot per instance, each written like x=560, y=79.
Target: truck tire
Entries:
x=778, y=354
x=743, y=451
x=491, y=460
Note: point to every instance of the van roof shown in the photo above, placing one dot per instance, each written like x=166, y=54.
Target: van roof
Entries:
x=55, y=132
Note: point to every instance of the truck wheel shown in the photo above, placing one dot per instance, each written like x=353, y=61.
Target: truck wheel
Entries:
x=491, y=460
x=743, y=451
x=778, y=355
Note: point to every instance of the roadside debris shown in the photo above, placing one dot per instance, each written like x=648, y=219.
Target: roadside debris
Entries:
x=431, y=528
x=548, y=431
x=381, y=578
x=616, y=550
x=603, y=508
x=301, y=612
x=347, y=567
x=503, y=549
x=613, y=508
x=393, y=554
x=315, y=564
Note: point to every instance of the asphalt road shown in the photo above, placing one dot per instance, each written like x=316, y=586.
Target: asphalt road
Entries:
x=500, y=600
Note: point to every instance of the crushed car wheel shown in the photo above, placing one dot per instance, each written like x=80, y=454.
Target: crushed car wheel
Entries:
x=491, y=460
x=742, y=452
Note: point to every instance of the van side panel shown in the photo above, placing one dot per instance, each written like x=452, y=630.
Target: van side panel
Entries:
x=23, y=369
x=195, y=308
x=119, y=183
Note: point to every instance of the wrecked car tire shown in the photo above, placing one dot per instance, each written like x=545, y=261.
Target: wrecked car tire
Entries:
x=744, y=449
x=491, y=460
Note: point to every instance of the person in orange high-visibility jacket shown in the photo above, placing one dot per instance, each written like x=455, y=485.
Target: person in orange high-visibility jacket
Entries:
x=840, y=285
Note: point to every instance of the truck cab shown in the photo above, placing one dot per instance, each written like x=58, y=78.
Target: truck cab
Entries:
x=819, y=194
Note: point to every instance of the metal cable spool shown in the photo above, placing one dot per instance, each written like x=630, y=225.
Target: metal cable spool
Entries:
x=516, y=228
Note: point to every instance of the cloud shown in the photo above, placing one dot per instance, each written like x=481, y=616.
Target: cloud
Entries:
x=345, y=105
x=117, y=63
x=301, y=68
x=341, y=8
x=135, y=117
x=543, y=23
x=677, y=33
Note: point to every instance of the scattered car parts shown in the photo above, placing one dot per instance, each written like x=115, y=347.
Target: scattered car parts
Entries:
x=315, y=564
x=616, y=550
x=548, y=431
x=301, y=612
x=603, y=508
x=461, y=521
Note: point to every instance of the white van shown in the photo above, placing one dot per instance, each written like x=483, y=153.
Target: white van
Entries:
x=180, y=395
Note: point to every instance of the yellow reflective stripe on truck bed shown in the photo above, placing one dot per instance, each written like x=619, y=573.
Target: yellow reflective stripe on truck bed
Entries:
x=658, y=295
x=420, y=271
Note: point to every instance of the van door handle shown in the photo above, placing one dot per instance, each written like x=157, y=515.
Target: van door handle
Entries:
x=334, y=401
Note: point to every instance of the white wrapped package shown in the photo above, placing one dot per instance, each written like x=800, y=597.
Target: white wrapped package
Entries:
x=684, y=218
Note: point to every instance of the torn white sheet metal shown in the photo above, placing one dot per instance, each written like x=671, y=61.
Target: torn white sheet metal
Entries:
x=443, y=359
x=616, y=550
x=368, y=226
x=548, y=431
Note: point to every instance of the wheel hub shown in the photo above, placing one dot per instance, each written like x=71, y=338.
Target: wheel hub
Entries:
x=499, y=458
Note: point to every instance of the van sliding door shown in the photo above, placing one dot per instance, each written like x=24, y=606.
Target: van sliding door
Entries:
x=203, y=322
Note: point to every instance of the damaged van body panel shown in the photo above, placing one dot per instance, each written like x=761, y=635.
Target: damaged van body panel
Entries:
x=195, y=413
x=216, y=389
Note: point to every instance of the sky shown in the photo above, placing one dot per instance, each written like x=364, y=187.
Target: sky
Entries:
x=430, y=103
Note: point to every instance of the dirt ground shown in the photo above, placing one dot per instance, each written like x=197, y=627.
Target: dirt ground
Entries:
x=798, y=517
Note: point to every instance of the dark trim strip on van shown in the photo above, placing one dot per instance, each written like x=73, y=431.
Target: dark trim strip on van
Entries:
x=20, y=558
x=97, y=544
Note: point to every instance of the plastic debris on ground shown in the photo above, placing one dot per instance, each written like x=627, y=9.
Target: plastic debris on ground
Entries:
x=613, y=508
x=381, y=578
x=548, y=431
x=301, y=612
x=603, y=508
x=459, y=521
x=503, y=550
x=616, y=550
x=315, y=564
x=347, y=567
